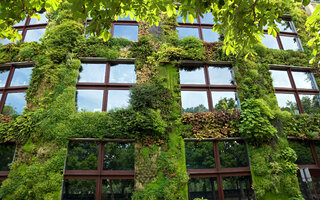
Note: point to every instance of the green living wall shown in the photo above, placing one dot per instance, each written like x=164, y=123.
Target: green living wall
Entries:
x=156, y=123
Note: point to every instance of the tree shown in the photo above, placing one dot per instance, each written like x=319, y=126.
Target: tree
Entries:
x=240, y=21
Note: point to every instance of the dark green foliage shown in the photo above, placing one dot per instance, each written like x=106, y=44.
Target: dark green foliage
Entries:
x=303, y=126
x=193, y=47
x=142, y=49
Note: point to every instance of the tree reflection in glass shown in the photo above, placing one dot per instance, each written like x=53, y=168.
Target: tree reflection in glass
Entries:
x=89, y=100
x=303, y=151
x=14, y=104
x=92, y=73
x=21, y=76
x=304, y=80
x=199, y=155
x=194, y=101
x=6, y=155
x=82, y=156
x=310, y=103
x=3, y=77
x=118, y=156
x=192, y=77
x=220, y=75
x=224, y=100
x=122, y=73
x=203, y=187
x=287, y=102
x=80, y=189
x=237, y=187
x=117, y=189
x=233, y=154
x=285, y=26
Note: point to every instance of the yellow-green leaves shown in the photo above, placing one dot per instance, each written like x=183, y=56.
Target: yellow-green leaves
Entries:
x=313, y=27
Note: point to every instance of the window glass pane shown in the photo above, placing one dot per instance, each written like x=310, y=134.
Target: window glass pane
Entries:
x=21, y=76
x=34, y=35
x=303, y=151
x=203, y=187
x=82, y=156
x=89, y=100
x=0, y=96
x=41, y=21
x=304, y=80
x=310, y=103
x=199, y=155
x=270, y=42
x=126, y=31
x=237, y=187
x=186, y=32
x=290, y=43
x=122, y=73
x=123, y=17
x=6, y=155
x=207, y=18
x=117, y=189
x=192, y=77
x=21, y=23
x=287, y=102
x=15, y=103
x=7, y=41
x=233, y=154
x=285, y=26
x=118, y=156
x=280, y=78
x=210, y=36
x=194, y=101
x=224, y=100
x=220, y=75
x=180, y=19
x=94, y=73
x=80, y=189
x=118, y=99
x=3, y=77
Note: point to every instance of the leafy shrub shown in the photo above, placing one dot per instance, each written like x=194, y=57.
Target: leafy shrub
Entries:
x=142, y=48
x=193, y=48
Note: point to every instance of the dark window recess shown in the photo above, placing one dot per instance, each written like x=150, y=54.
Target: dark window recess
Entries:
x=118, y=156
x=303, y=151
x=6, y=155
x=200, y=155
x=203, y=187
x=82, y=189
x=237, y=187
x=233, y=154
x=117, y=189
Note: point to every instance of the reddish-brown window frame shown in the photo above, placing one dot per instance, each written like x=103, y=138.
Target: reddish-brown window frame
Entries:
x=218, y=172
x=294, y=90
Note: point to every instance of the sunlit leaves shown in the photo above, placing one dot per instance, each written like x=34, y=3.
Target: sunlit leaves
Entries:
x=313, y=27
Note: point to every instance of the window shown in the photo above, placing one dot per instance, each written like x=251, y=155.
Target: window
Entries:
x=104, y=86
x=14, y=81
x=207, y=88
x=296, y=91
x=99, y=170
x=201, y=28
x=218, y=169
x=7, y=151
x=286, y=39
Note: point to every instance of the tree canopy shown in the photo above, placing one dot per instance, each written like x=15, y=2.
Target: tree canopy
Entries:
x=240, y=21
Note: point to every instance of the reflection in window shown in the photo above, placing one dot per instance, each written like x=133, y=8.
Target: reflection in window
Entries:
x=0, y=96
x=6, y=155
x=21, y=23
x=233, y=154
x=82, y=156
x=94, y=73
x=303, y=151
x=304, y=80
x=209, y=35
x=126, y=31
x=117, y=189
x=287, y=102
x=194, y=101
x=41, y=21
x=34, y=35
x=7, y=41
x=285, y=26
x=81, y=189
x=224, y=100
x=180, y=19
x=203, y=187
x=122, y=73
x=207, y=18
x=118, y=99
x=220, y=75
x=192, y=77
x=199, y=155
x=3, y=77
x=118, y=156
x=270, y=42
x=237, y=187
x=21, y=76
x=310, y=103
x=290, y=43
x=89, y=100
x=280, y=78
x=14, y=104
x=186, y=32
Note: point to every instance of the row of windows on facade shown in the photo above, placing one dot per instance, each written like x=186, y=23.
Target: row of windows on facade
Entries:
x=202, y=29
x=117, y=157
x=102, y=87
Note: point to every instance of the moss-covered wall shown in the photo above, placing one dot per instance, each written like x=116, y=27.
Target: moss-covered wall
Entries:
x=153, y=118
